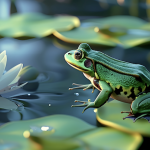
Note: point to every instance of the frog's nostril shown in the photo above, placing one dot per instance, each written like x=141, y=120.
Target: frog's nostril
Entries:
x=69, y=53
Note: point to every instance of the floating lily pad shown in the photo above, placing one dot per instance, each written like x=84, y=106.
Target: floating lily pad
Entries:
x=58, y=144
x=125, y=31
x=84, y=35
x=108, y=138
x=110, y=115
x=128, y=41
x=36, y=25
x=128, y=22
x=58, y=122
x=67, y=131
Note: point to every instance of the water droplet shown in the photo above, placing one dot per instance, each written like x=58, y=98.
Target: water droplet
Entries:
x=45, y=128
x=77, y=94
x=40, y=129
x=29, y=94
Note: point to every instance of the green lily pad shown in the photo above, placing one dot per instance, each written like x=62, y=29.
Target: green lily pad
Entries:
x=109, y=31
x=146, y=26
x=84, y=35
x=100, y=138
x=108, y=138
x=66, y=131
x=128, y=22
x=129, y=41
x=36, y=25
x=58, y=122
x=110, y=115
x=45, y=143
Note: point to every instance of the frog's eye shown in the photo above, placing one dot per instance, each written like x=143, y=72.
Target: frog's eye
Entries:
x=78, y=54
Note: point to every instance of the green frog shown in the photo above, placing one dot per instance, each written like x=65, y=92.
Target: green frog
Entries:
x=120, y=80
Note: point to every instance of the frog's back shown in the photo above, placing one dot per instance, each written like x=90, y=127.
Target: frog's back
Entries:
x=124, y=86
x=119, y=66
x=136, y=70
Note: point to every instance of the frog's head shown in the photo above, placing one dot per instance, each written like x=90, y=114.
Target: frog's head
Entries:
x=77, y=59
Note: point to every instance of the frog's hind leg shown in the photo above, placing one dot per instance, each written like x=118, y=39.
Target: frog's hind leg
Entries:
x=140, y=107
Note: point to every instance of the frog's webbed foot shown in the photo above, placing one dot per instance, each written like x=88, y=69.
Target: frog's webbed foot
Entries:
x=136, y=117
x=86, y=104
x=84, y=87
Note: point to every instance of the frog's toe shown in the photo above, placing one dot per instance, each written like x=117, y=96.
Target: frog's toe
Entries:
x=76, y=101
x=90, y=105
x=86, y=104
x=81, y=105
x=130, y=117
x=136, y=117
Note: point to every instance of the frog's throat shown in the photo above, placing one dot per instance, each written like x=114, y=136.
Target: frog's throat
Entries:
x=76, y=67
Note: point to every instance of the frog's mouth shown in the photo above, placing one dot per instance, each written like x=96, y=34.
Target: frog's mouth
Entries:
x=76, y=67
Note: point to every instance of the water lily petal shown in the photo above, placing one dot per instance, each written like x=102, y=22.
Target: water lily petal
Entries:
x=15, y=80
x=13, y=88
x=9, y=76
x=7, y=104
x=2, y=64
x=2, y=55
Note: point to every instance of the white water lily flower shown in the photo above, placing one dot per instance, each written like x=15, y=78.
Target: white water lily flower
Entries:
x=9, y=81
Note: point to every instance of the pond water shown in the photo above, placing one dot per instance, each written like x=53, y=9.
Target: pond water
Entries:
x=49, y=94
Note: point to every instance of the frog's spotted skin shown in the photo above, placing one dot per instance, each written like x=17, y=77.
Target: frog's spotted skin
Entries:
x=125, y=87
x=120, y=80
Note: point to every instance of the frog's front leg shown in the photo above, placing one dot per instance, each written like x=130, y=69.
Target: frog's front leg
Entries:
x=101, y=98
x=140, y=107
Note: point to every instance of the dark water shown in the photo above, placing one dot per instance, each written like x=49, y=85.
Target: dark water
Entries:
x=49, y=93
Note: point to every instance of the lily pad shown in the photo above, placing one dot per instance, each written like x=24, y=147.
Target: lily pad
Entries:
x=35, y=25
x=84, y=35
x=57, y=143
x=67, y=131
x=110, y=115
x=108, y=138
x=128, y=22
x=125, y=31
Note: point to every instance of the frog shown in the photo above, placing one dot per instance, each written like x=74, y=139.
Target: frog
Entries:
x=120, y=80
